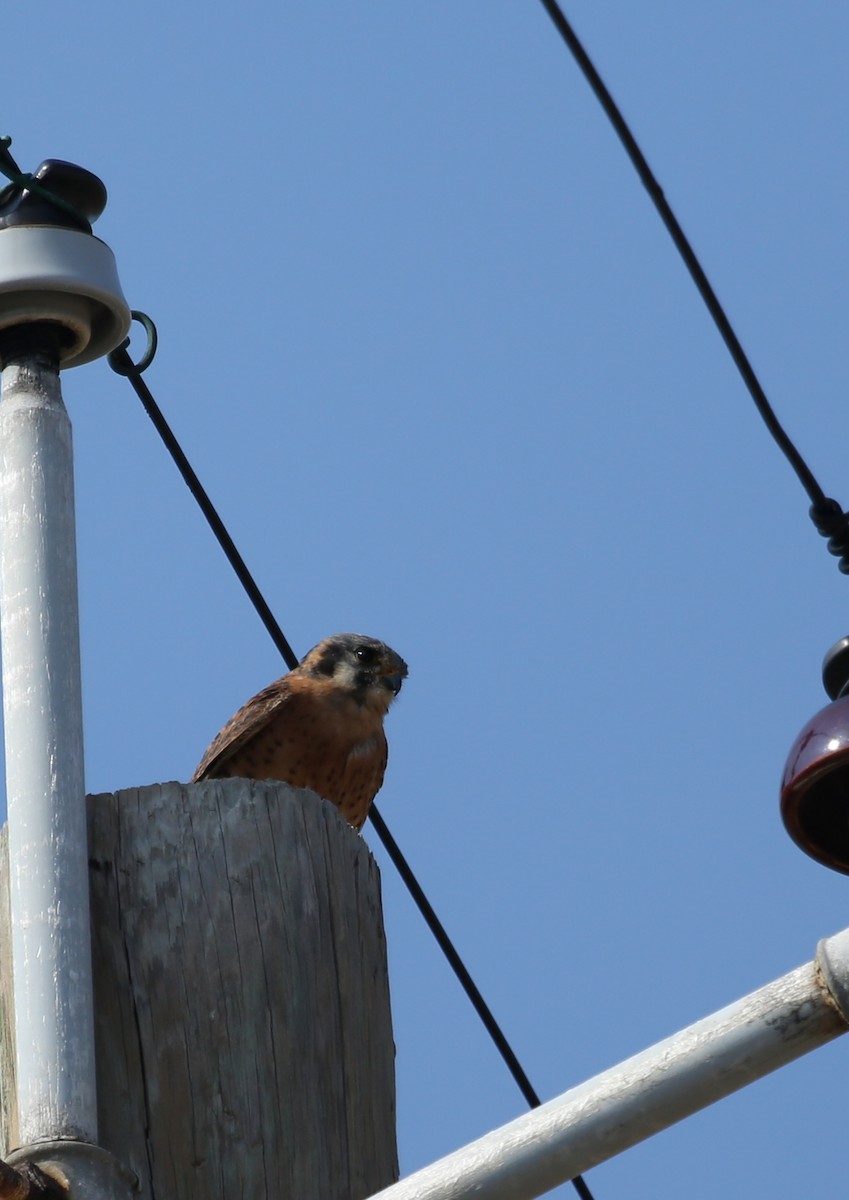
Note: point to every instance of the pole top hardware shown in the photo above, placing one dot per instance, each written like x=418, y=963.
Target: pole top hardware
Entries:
x=52, y=267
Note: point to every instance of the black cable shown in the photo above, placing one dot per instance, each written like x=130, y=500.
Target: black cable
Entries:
x=121, y=362
x=826, y=514
x=467, y=983
x=457, y=964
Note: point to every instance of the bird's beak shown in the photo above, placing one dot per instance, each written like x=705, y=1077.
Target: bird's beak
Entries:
x=393, y=682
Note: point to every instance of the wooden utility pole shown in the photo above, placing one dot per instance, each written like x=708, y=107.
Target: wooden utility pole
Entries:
x=242, y=1024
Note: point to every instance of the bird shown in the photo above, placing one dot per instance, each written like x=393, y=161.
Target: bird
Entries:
x=319, y=727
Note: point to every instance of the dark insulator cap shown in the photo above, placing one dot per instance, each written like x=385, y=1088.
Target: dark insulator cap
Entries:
x=81, y=190
x=815, y=787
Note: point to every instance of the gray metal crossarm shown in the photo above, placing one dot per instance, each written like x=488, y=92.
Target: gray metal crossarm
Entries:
x=649, y=1092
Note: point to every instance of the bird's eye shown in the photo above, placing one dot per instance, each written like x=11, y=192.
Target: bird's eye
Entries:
x=366, y=654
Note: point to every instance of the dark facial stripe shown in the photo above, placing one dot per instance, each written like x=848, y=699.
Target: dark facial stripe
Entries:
x=326, y=664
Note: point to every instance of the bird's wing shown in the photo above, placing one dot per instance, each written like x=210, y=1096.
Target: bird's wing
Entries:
x=248, y=721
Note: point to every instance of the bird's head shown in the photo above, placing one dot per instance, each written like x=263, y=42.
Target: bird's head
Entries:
x=367, y=670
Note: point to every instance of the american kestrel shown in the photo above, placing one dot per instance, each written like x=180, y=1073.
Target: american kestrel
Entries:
x=319, y=727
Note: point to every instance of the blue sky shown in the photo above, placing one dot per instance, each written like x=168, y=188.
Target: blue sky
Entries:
x=436, y=361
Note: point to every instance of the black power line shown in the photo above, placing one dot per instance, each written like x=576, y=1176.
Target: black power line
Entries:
x=121, y=362
x=826, y=514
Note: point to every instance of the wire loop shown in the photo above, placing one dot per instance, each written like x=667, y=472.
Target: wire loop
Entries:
x=118, y=360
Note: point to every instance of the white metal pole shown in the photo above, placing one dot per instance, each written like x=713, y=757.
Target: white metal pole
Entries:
x=39, y=625
x=647, y=1093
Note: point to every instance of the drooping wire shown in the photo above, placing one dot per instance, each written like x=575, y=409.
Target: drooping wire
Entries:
x=467, y=983
x=122, y=364
x=827, y=514
x=457, y=964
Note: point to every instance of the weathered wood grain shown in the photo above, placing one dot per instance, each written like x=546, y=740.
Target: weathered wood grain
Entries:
x=244, y=1044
